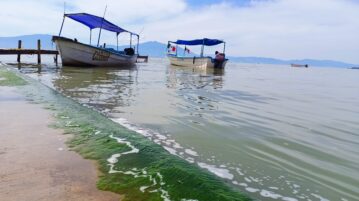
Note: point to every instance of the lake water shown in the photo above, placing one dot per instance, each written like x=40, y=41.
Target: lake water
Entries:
x=274, y=132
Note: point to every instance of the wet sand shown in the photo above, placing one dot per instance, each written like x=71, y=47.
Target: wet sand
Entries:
x=35, y=162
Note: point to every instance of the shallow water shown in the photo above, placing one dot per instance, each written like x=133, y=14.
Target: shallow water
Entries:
x=276, y=132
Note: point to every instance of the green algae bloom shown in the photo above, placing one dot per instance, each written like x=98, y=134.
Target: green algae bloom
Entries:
x=131, y=164
x=8, y=78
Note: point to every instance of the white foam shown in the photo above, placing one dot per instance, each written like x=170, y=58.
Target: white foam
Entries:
x=247, y=179
x=143, y=188
x=143, y=173
x=114, y=158
x=164, y=195
x=170, y=150
x=177, y=146
x=254, y=179
x=243, y=184
x=191, y=152
x=190, y=159
x=289, y=199
x=319, y=197
x=160, y=176
x=252, y=190
x=270, y=194
x=239, y=171
x=221, y=172
x=161, y=137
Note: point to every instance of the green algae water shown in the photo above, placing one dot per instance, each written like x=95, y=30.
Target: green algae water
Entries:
x=274, y=132
x=130, y=164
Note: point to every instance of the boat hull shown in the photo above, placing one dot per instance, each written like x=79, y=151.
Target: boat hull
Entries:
x=195, y=62
x=299, y=65
x=78, y=54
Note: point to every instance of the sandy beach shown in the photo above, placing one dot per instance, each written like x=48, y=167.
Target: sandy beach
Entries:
x=35, y=162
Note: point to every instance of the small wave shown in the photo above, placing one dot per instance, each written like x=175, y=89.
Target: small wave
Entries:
x=221, y=172
x=191, y=156
x=175, y=148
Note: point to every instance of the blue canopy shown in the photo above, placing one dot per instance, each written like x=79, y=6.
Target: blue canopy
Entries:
x=205, y=41
x=93, y=22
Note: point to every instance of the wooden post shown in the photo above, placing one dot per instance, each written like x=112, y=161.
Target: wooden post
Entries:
x=56, y=58
x=19, y=55
x=39, y=52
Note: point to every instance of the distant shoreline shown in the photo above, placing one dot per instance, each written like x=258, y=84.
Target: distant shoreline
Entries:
x=158, y=50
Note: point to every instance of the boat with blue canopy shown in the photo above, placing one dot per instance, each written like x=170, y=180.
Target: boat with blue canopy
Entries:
x=201, y=61
x=75, y=53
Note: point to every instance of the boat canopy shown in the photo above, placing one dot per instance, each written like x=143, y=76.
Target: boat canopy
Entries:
x=93, y=21
x=205, y=42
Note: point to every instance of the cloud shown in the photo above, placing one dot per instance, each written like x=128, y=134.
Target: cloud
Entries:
x=321, y=29
x=132, y=11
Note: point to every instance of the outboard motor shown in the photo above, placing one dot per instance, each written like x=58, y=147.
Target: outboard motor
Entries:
x=218, y=63
x=129, y=51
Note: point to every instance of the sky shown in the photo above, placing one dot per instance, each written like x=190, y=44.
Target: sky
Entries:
x=283, y=29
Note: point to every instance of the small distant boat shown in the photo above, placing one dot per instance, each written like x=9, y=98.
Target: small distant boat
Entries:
x=74, y=53
x=195, y=61
x=300, y=65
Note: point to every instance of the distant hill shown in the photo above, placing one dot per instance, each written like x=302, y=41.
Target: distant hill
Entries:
x=153, y=49
x=157, y=49
x=28, y=41
x=310, y=62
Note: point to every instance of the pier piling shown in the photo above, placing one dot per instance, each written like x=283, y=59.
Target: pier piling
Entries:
x=56, y=59
x=19, y=47
x=39, y=52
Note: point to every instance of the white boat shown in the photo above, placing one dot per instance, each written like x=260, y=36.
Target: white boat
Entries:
x=300, y=65
x=74, y=53
x=78, y=54
x=194, y=61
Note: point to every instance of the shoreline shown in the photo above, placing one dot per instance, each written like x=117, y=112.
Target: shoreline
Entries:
x=152, y=173
x=36, y=162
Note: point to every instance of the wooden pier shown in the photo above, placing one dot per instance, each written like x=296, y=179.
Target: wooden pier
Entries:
x=19, y=51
